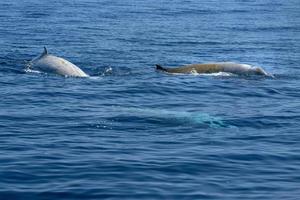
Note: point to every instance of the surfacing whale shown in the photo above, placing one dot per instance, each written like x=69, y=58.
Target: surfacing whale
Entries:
x=228, y=67
x=56, y=65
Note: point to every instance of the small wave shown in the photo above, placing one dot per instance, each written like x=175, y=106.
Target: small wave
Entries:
x=11, y=65
x=94, y=77
x=111, y=71
x=13, y=70
x=179, y=117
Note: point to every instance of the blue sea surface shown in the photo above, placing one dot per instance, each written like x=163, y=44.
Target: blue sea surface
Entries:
x=130, y=132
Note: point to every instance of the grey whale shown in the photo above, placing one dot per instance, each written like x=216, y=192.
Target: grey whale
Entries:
x=52, y=64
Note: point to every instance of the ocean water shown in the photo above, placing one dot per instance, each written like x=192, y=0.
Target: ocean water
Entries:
x=129, y=132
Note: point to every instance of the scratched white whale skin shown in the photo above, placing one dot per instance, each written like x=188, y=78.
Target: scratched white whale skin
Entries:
x=52, y=64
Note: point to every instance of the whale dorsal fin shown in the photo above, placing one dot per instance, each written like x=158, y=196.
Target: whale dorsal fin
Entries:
x=45, y=52
x=159, y=67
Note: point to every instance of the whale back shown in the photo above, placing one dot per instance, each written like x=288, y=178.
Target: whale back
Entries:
x=199, y=68
x=229, y=67
x=237, y=68
x=52, y=64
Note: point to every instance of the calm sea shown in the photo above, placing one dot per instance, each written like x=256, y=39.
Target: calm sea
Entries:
x=129, y=132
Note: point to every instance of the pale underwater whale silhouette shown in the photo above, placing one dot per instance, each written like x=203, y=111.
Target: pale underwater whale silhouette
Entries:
x=52, y=64
x=228, y=67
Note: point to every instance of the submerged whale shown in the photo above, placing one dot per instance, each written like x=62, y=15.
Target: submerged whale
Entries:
x=56, y=65
x=229, y=67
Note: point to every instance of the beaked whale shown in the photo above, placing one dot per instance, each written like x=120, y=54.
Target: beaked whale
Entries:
x=52, y=64
x=208, y=68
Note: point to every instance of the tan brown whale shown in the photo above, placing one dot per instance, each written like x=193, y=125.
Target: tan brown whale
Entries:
x=208, y=68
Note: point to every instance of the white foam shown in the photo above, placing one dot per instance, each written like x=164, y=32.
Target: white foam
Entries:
x=28, y=70
x=219, y=74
